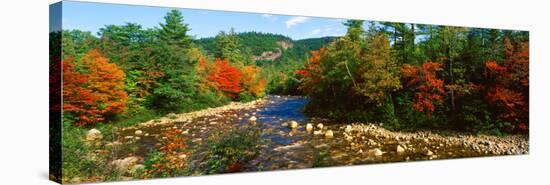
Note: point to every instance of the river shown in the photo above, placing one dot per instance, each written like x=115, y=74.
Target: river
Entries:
x=297, y=148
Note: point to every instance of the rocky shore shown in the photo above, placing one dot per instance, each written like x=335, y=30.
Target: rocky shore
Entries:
x=297, y=142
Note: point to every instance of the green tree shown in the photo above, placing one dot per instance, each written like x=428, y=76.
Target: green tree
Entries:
x=174, y=30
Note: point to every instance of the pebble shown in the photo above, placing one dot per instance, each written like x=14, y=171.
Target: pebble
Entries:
x=293, y=124
x=317, y=132
x=376, y=152
x=400, y=149
x=329, y=134
x=347, y=129
x=309, y=127
x=320, y=126
x=252, y=119
x=429, y=153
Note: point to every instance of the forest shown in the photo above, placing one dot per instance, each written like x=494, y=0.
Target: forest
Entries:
x=404, y=76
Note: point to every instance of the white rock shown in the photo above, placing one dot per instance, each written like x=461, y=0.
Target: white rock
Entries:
x=252, y=119
x=94, y=135
x=329, y=134
x=347, y=129
x=138, y=133
x=182, y=156
x=320, y=126
x=309, y=127
x=293, y=124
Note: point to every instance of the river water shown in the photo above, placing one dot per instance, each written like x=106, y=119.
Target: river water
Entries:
x=296, y=148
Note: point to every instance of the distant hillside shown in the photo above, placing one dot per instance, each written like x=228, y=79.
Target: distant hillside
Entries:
x=270, y=47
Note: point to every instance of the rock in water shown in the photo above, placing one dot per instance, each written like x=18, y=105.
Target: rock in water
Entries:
x=329, y=134
x=252, y=119
x=320, y=126
x=309, y=127
x=347, y=129
x=400, y=149
x=94, y=135
x=293, y=124
x=138, y=133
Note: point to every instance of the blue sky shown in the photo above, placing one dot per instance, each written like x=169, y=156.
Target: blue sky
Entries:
x=203, y=23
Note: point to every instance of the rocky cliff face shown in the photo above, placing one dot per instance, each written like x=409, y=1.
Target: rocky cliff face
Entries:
x=270, y=55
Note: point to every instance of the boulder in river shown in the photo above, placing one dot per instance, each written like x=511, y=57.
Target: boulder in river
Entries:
x=94, y=135
x=252, y=119
x=293, y=124
x=329, y=134
x=309, y=127
x=138, y=133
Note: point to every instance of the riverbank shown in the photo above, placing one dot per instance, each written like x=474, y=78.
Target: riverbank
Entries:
x=296, y=141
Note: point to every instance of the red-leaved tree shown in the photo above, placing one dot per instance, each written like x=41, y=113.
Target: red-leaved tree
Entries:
x=429, y=89
x=508, y=85
x=226, y=77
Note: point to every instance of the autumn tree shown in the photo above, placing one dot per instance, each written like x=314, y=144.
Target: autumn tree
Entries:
x=251, y=82
x=95, y=91
x=77, y=99
x=106, y=81
x=310, y=75
x=508, y=85
x=226, y=77
x=429, y=89
x=378, y=74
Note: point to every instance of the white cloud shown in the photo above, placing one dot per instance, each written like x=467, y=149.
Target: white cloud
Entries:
x=295, y=20
x=315, y=31
x=267, y=15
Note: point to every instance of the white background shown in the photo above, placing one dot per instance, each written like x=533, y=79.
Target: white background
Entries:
x=24, y=91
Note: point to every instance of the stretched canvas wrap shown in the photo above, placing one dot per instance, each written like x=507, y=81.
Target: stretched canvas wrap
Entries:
x=140, y=92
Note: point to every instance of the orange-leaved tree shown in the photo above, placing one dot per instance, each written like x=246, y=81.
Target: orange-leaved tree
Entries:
x=226, y=77
x=95, y=91
x=77, y=98
x=251, y=82
x=429, y=90
x=312, y=73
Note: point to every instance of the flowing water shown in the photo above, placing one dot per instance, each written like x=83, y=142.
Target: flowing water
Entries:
x=296, y=148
